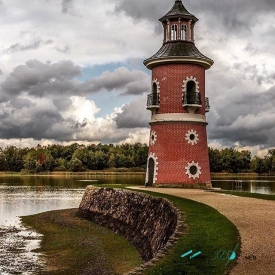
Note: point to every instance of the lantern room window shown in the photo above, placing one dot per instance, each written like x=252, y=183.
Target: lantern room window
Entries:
x=183, y=32
x=174, y=32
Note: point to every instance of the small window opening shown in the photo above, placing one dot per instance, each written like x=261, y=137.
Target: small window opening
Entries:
x=174, y=32
x=155, y=94
x=183, y=32
x=192, y=97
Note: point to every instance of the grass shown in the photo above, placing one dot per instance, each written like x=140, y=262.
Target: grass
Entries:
x=209, y=232
x=67, y=243
x=247, y=194
x=74, y=246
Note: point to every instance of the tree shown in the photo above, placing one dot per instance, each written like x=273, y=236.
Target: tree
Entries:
x=215, y=160
x=14, y=158
x=75, y=165
x=38, y=160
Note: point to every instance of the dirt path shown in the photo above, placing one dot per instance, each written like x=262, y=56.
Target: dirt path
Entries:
x=255, y=220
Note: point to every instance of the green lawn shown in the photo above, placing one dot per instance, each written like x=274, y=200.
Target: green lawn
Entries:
x=207, y=231
x=75, y=246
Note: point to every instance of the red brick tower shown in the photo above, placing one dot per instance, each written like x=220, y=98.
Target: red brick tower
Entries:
x=178, y=151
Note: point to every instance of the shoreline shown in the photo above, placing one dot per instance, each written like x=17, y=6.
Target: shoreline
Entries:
x=73, y=245
x=73, y=174
x=121, y=172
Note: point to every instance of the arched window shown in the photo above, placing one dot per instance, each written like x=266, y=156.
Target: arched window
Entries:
x=174, y=32
x=191, y=94
x=183, y=32
x=155, y=93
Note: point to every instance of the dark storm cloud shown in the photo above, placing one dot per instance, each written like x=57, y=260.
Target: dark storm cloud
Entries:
x=233, y=15
x=131, y=83
x=246, y=117
x=134, y=114
x=37, y=125
x=42, y=79
x=35, y=97
x=39, y=79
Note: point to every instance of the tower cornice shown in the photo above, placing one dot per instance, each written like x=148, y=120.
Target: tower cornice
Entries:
x=178, y=52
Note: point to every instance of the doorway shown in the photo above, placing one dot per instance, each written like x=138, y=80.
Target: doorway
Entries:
x=151, y=172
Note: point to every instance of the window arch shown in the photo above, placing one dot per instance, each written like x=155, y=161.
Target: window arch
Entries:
x=174, y=32
x=183, y=32
x=155, y=92
x=152, y=170
x=191, y=93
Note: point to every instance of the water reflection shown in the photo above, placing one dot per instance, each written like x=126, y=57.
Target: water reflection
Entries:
x=20, y=197
x=18, y=201
x=260, y=186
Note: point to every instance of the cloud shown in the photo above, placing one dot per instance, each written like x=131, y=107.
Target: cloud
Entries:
x=238, y=35
x=32, y=42
x=19, y=47
x=66, y=49
x=42, y=79
x=233, y=15
x=134, y=114
x=123, y=80
x=246, y=116
x=47, y=101
x=67, y=6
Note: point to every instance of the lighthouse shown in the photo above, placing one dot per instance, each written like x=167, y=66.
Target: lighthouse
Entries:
x=178, y=150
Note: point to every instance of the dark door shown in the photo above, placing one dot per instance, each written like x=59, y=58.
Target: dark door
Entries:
x=151, y=172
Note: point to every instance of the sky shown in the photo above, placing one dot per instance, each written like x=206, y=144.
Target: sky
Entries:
x=72, y=70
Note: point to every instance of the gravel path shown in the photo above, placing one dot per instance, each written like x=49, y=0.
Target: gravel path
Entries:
x=255, y=220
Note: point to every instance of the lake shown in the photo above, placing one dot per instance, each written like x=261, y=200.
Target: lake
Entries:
x=26, y=195
x=21, y=196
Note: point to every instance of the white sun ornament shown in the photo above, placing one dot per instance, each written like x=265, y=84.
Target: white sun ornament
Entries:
x=192, y=137
x=193, y=170
x=153, y=138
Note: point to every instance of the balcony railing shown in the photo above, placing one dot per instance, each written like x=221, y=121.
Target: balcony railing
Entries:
x=207, y=105
x=153, y=101
x=191, y=99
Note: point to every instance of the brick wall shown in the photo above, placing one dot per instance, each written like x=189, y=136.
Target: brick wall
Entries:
x=171, y=77
x=173, y=153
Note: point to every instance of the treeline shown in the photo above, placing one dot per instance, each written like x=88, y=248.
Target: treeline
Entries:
x=73, y=157
x=79, y=158
x=233, y=161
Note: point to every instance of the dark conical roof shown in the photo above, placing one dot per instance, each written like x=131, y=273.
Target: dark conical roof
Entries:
x=177, y=52
x=178, y=11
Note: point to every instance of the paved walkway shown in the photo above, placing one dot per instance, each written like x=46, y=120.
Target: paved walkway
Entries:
x=255, y=220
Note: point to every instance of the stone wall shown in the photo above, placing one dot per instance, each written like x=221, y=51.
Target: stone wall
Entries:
x=145, y=221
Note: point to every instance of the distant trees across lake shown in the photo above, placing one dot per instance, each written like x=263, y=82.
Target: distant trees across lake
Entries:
x=73, y=157
x=233, y=161
x=77, y=158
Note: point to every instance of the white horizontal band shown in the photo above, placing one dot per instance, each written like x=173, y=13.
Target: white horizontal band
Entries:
x=178, y=117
